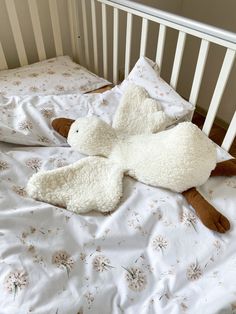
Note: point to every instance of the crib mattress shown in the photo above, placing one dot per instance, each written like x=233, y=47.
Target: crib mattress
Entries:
x=151, y=255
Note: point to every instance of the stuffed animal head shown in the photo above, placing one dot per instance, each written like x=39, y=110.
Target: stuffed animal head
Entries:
x=92, y=136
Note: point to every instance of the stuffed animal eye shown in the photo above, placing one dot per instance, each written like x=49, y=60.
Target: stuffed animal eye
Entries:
x=77, y=131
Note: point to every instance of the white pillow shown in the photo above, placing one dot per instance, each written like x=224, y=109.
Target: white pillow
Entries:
x=146, y=74
x=50, y=77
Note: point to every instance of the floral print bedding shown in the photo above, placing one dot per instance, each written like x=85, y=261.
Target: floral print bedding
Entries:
x=54, y=76
x=27, y=120
x=151, y=255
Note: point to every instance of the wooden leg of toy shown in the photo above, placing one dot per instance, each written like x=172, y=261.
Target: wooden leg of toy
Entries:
x=62, y=126
x=209, y=216
x=225, y=168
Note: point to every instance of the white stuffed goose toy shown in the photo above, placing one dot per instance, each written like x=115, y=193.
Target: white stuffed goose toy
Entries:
x=178, y=159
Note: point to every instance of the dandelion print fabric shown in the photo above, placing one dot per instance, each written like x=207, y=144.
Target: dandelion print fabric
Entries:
x=26, y=120
x=151, y=255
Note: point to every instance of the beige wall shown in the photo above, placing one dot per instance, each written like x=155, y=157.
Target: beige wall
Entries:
x=215, y=12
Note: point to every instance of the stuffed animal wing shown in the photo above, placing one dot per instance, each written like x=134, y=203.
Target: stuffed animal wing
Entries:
x=138, y=113
x=93, y=183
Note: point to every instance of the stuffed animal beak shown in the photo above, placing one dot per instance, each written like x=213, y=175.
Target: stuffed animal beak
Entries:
x=62, y=125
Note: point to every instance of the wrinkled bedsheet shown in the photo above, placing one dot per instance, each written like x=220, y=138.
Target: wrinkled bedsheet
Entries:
x=151, y=255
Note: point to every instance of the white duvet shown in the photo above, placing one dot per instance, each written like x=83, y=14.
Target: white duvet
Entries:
x=152, y=255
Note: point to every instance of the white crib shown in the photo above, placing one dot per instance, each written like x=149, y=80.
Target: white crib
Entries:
x=96, y=27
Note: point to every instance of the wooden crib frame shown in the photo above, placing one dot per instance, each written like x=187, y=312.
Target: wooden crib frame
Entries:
x=185, y=27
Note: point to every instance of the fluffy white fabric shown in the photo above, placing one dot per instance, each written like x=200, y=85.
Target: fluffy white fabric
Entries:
x=138, y=113
x=95, y=136
x=177, y=159
x=93, y=183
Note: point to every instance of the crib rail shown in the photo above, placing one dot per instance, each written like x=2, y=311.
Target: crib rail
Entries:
x=98, y=27
x=212, y=34
x=207, y=34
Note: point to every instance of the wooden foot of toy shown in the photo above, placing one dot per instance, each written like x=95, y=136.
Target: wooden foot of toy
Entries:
x=209, y=216
x=225, y=168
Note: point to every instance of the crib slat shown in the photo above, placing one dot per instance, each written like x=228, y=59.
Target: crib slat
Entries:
x=86, y=38
x=15, y=26
x=56, y=27
x=230, y=135
x=74, y=27
x=37, y=29
x=197, y=29
x=178, y=59
x=104, y=40
x=144, y=34
x=115, y=45
x=3, y=62
x=219, y=89
x=160, y=45
x=95, y=37
x=128, y=43
x=201, y=62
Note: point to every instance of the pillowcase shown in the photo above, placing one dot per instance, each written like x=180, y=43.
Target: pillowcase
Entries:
x=50, y=77
x=146, y=74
